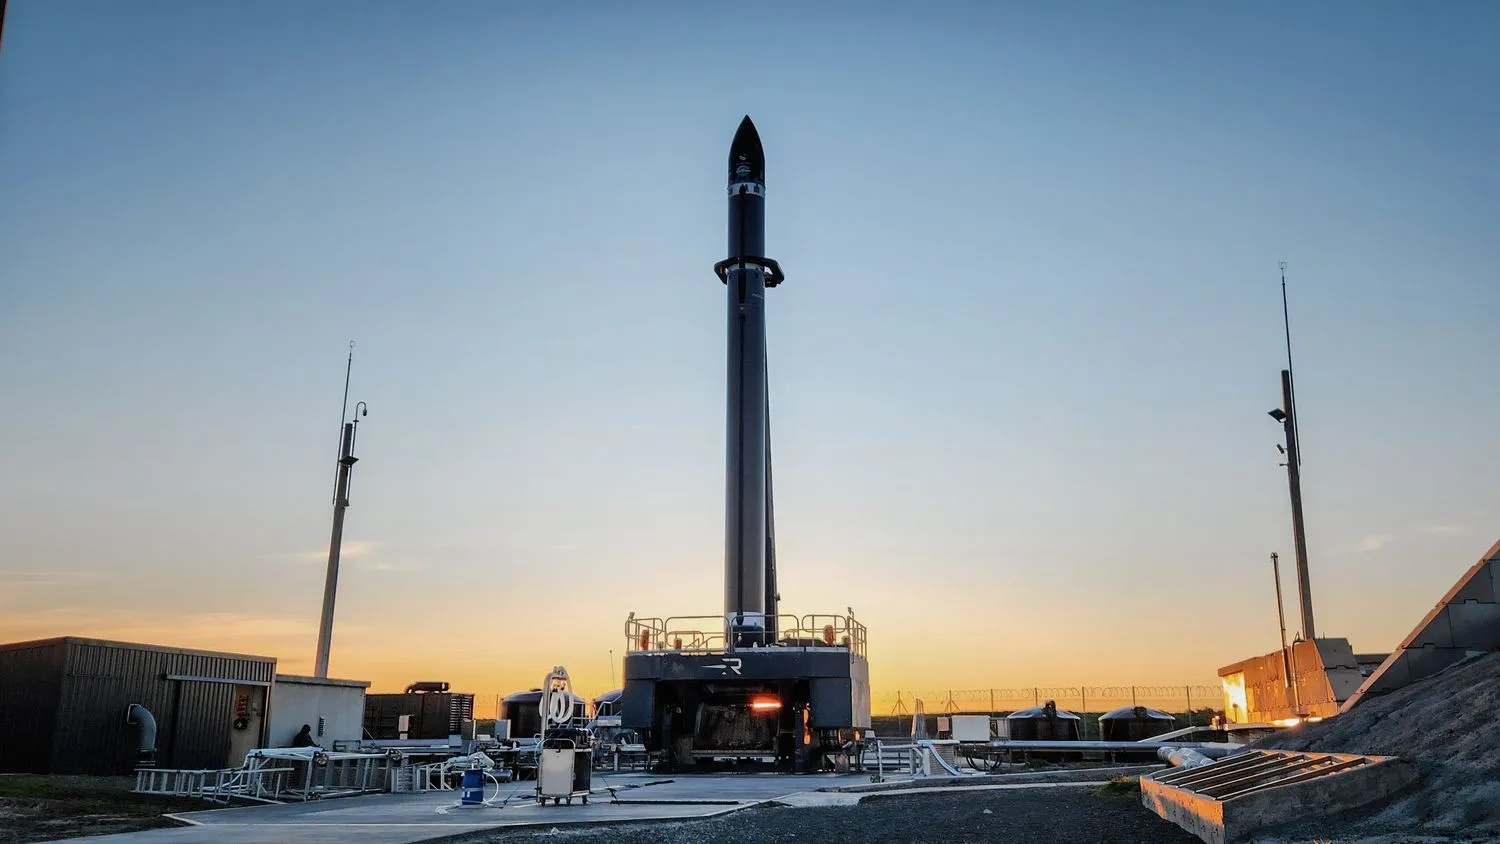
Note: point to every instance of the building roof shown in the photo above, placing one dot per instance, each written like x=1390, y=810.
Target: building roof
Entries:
x=304, y=680
x=83, y=640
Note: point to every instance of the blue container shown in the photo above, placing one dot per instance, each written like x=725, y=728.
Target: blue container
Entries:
x=471, y=790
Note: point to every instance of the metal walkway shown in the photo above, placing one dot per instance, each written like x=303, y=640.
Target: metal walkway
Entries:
x=1258, y=770
x=1229, y=799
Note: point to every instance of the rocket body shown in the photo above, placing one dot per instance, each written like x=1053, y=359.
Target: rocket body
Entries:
x=747, y=518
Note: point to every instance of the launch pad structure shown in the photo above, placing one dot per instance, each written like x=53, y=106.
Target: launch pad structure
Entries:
x=751, y=683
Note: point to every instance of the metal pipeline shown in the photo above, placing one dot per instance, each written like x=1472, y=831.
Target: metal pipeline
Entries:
x=1210, y=750
x=1182, y=757
x=141, y=717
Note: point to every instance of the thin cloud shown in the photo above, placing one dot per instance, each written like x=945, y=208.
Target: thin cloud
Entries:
x=350, y=550
x=229, y=631
x=1373, y=543
x=12, y=577
x=397, y=566
x=1446, y=530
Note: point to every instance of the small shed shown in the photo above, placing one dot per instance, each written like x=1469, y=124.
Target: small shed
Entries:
x=335, y=709
x=88, y=706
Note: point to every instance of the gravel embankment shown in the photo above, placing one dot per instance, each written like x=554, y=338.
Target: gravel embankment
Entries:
x=1445, y=724
x=1036, y=816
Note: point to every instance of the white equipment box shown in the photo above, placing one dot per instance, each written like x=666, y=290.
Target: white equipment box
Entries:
x=971, y=728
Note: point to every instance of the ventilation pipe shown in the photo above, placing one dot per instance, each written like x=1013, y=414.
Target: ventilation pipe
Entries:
x=141, y=717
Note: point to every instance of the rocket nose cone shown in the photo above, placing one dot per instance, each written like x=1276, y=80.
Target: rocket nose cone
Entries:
x=747, y=160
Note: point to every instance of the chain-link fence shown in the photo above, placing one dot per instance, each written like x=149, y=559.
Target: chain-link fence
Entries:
x=892, y=712
x=1198, y=701
x=1184, y=698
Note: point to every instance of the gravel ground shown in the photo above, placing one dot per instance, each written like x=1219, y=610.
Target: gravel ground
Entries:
x=1072, y=815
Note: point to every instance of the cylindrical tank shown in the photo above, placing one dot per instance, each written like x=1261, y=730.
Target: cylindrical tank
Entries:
x=1044, y=723
x=523, y=710
x=608, y=703
x=1134, y=723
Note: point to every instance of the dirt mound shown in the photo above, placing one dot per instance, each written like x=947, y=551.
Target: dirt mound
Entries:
x=1449, y=725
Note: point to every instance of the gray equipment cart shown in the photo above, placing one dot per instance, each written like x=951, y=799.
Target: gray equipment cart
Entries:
x=564, y=771
x=565, y=753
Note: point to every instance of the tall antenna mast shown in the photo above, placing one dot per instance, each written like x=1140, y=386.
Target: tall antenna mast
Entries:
x=344, y=467
x=1286, y=322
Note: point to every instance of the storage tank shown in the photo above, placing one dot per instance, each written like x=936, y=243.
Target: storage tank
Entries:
x=523, y=710
x=1134, y=723
x=608, y=703
x=1044, y=723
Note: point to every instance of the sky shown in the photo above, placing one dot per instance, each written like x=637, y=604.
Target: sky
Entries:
x=1020, y=366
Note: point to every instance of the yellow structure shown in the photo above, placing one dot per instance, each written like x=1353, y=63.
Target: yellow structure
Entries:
x=1307, y=680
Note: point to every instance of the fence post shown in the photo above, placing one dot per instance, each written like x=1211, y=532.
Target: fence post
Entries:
x=1189, y=690
x=1132, y=696
x=1083, y=691
x=992, y=701
x=1036, y=696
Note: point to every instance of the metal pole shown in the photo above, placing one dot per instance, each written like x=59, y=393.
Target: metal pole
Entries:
x=1286, y=322
x=1294, y=483
x=1296, y=683
x=1189, y=691
x=1286, y=663
x=330, y=585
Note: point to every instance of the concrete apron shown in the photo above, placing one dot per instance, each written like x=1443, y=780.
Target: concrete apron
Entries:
x=1227, y=801
x=408, y=818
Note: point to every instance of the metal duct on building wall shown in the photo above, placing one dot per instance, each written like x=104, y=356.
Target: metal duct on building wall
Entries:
x=141, y=717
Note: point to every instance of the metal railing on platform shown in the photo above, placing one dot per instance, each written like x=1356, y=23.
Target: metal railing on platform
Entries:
x=706, y=633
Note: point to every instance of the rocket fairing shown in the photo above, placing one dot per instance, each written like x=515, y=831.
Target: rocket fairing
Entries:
x=749, y=580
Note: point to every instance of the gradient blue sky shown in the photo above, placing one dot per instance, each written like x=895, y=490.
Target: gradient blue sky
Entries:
x=1020, y=367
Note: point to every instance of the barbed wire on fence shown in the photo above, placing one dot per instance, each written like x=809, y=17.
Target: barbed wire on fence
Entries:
x=1083, y=698
x=942, y=701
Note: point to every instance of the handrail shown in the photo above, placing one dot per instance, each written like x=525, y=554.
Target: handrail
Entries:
x=705, y=634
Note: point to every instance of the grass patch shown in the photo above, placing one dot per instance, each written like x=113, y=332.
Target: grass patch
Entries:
x=46, y=808
x=1120, y=785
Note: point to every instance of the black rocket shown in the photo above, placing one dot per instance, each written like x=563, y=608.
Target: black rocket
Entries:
x=750, y=597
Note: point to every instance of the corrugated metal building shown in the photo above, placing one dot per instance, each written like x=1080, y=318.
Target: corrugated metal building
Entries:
x=63, y=705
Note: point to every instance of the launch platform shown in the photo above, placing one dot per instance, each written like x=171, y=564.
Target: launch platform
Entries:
x=798, y=703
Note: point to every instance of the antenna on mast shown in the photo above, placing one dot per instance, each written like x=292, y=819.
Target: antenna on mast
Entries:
x=343, y=415
x=1286, y=322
